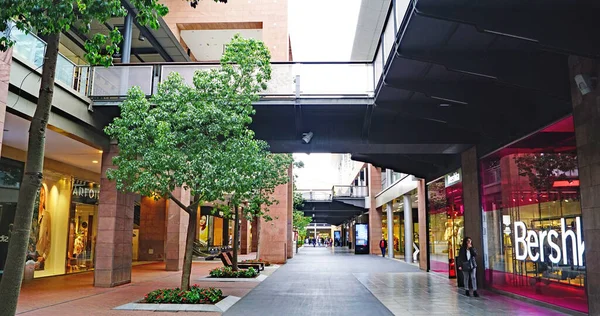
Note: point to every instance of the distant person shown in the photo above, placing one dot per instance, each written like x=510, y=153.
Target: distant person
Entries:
x=383, y=246
x=468, y=265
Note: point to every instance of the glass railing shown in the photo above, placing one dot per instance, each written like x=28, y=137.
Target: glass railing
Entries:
x=316, y=195
x=350, y=191
x=30, y=49
x=287, y=79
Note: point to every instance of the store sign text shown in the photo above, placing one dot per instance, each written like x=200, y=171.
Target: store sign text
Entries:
x=531, y=243
x=91, y=193
x=4, y=238
x=453, y=178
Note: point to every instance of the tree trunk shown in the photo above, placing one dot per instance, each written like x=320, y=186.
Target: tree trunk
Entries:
x=189, y=249
x=32, y=180
x=236, y=236
x=258, y=238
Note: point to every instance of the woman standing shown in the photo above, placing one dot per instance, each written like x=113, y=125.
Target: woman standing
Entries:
x=468, y=265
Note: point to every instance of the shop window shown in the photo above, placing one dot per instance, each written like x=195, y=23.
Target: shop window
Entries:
x=533, y=241
x=446, y=222
x=11, y=172
x=83, y=226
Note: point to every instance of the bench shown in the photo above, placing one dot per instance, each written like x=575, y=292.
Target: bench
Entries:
x=228, y=262
x=261, y=264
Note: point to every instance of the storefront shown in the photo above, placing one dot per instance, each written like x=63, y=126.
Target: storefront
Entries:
x=11, y=172
x=83, y=226
x=213, y=230
x=446, y=222
x=533, y=241
x=398, y=222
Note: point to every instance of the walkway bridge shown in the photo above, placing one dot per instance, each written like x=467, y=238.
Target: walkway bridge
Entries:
x=336, y=205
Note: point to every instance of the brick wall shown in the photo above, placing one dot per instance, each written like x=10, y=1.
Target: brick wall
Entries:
x=375, y=214
x=152, y=229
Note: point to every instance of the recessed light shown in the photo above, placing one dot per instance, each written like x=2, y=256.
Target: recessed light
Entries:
x=94, y=161
x=100, y=151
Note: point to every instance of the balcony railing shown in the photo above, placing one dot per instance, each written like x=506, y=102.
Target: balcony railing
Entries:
x=288, y=78
x=30, y=49
x=316, y=195
x=350, y=191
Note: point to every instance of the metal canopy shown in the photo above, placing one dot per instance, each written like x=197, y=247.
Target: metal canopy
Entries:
x=477, y=73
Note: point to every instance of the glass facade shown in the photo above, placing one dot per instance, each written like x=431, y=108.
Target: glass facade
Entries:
x=398, y=224
x=11, y=172
x=533, y=241
x=446, y=222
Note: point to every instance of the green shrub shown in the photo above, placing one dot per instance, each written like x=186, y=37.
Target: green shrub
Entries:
x=227, y=272
x=196, y=295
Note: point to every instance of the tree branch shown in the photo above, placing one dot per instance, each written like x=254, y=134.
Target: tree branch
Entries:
x=178, y=202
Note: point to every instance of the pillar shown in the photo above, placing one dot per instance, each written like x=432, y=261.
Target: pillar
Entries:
x=408, y=229
x=472, y=205
x=115, y=229
x=254, y=232
x=375, y=216
x=127, y=34
x=273, y=242
x=152, y=229
x=423, y=225
x=586, y=117
x=244, y=233
x=290, y=216
x=390, y=229
x=5, y=62
x=177, y=224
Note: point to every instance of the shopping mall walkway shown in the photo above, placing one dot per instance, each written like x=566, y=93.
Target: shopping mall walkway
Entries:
x=319, y=281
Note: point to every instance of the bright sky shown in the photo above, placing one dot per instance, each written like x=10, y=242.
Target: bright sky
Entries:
x=323, y=30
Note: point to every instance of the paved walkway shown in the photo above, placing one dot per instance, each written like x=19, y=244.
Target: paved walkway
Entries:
x=319, y=281
x=75, y=294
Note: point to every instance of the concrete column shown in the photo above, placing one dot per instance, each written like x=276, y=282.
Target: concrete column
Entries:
x=375, y=216
x=115, y=229
x=408, y=229
x=244, y=233
x=254, y=232
x=5, y=62
x=273, y=235
x=152, y=229
x=472, y=205
x=423, y=229
x=390, y=229
x=177, y=224
x=586, y=116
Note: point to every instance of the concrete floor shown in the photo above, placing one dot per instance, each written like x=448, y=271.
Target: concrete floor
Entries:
x=322, y=281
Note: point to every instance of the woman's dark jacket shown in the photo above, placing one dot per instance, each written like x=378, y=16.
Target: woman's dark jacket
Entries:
x=462, y=257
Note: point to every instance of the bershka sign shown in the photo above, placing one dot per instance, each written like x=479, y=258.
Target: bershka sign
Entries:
x=531, y=243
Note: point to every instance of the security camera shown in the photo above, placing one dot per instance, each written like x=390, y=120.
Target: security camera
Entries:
x=584, y=84
x=306, y=137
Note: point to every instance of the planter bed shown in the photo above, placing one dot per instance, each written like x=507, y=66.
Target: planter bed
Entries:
x=195, y=299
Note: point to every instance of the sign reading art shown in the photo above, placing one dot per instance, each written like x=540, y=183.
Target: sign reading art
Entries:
x=85, y=192
x=529, y=243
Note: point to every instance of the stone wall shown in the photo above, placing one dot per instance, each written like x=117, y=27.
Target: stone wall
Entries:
x=152, y=229
x=586, y=117
x=472, y=205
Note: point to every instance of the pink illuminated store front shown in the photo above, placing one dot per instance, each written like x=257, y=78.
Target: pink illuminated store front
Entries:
x=532, y=225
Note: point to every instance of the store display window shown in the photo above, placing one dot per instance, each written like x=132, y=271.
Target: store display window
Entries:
x=83, y=226
x=49, y=227
x=11, y=172
x=533, y=238
x=446, y=222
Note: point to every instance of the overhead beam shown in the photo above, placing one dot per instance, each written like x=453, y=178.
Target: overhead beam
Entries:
x=568, y=27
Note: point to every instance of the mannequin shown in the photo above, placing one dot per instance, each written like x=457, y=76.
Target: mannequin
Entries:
x=44, y=234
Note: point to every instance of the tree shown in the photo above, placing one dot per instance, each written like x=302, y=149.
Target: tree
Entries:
x=197, y=138
x=50, y=19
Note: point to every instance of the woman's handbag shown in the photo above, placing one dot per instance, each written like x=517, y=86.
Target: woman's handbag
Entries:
x=466, y=265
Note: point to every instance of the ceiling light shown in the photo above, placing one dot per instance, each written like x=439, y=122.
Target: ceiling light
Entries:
x=94, y=161
x=100, y=151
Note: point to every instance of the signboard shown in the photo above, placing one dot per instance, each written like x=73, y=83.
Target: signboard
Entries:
x=85, y=192
x=453, y=178
x=362, y=239
x=530, y=243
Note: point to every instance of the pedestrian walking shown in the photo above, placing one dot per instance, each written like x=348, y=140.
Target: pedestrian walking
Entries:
x=468, y=265
x=383, y=246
